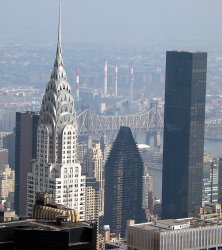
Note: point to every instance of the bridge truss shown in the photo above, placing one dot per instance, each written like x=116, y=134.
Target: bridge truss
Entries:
x=149, y=119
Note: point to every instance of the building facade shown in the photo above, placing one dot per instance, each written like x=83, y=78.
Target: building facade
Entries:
x=220, y=181
x=210, y=179
x=93, y=165
x=7, y=182
x=9, y=143
x=184, y=117
x=183, y=234
x=56, y=169
x=92, y=199
x=123, y=183
x=25, y=139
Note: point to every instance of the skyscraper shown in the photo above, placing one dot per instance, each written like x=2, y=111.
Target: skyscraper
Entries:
x=56, y=169
x=210, y=179
x=123, y=183
x=25, y=141
x=9, y=143
x=183, y=146
x=93, y=165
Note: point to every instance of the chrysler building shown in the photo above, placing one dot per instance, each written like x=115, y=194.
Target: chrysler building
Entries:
x=56, y=169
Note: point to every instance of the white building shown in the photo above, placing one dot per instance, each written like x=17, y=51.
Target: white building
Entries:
x=56, y=169
x=175, y=234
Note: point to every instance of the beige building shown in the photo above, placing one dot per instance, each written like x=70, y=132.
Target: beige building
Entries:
x=210, y=212
x=92, y=199
x=175, y=234
x=93, y=165
x=7, y=181
x=6, y=216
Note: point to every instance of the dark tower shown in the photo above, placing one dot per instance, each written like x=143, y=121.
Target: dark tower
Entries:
x=25, y=151
x=123, y=183
x=183, y=146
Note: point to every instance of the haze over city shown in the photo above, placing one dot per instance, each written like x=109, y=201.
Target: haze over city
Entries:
x=185, y=24
x=111, y=116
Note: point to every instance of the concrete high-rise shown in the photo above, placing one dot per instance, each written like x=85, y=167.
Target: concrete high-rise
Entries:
x=25, y=141
x=184, y=117
x=210, y=179
x=56, y=169
x=93, y=166
x=7, y=182
x=123, y=183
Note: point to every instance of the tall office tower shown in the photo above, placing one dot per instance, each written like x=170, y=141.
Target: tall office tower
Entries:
x=123, y=183
x=25, y=140
x=9, y=143
x=183, y=146
x=93, y=166
x=210, y=179
x=55, y=169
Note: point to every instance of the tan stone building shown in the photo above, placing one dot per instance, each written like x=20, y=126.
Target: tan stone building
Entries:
x=7, y=181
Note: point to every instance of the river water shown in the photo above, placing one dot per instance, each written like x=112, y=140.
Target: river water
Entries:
x=210, y=146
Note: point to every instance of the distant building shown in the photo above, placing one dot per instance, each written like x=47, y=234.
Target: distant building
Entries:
x=92, y=199
x=148, y=197
x=93, y=166
x=210, y=179
x=123, y=183
x=209, y=212
x=220, y=181
x=9, y=143
x=7, y=182
x=25, y=141
x=6, y=215
x=3, y=157
x=184, y=118
x=174, y=234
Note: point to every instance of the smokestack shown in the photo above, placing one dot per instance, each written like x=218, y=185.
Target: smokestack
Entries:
x=131, y=83
x=105, y=79
x=77, y=84
x=116, y=85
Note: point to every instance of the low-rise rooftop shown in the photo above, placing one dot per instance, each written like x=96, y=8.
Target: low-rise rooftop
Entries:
x=175, y=224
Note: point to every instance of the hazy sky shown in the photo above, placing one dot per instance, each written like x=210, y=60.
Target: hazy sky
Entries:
x=113, y=21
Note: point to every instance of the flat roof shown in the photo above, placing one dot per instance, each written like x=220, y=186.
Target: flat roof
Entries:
x=193, y=223
x=33, y=224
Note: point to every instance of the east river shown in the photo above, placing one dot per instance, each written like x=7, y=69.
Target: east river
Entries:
x=211, y=146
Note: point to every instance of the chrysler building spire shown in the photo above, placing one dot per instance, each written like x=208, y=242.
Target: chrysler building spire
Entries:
x=56, y=169
x=58, y=71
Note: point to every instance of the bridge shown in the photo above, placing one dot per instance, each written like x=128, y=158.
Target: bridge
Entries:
x=149, y=120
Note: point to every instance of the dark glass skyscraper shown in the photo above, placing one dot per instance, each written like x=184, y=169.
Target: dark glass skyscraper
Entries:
x=25, y=151
x=123, y=183
x=183, y=146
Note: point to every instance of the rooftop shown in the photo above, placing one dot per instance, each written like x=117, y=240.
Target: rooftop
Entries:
x=32, y=224
x=175, y=224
